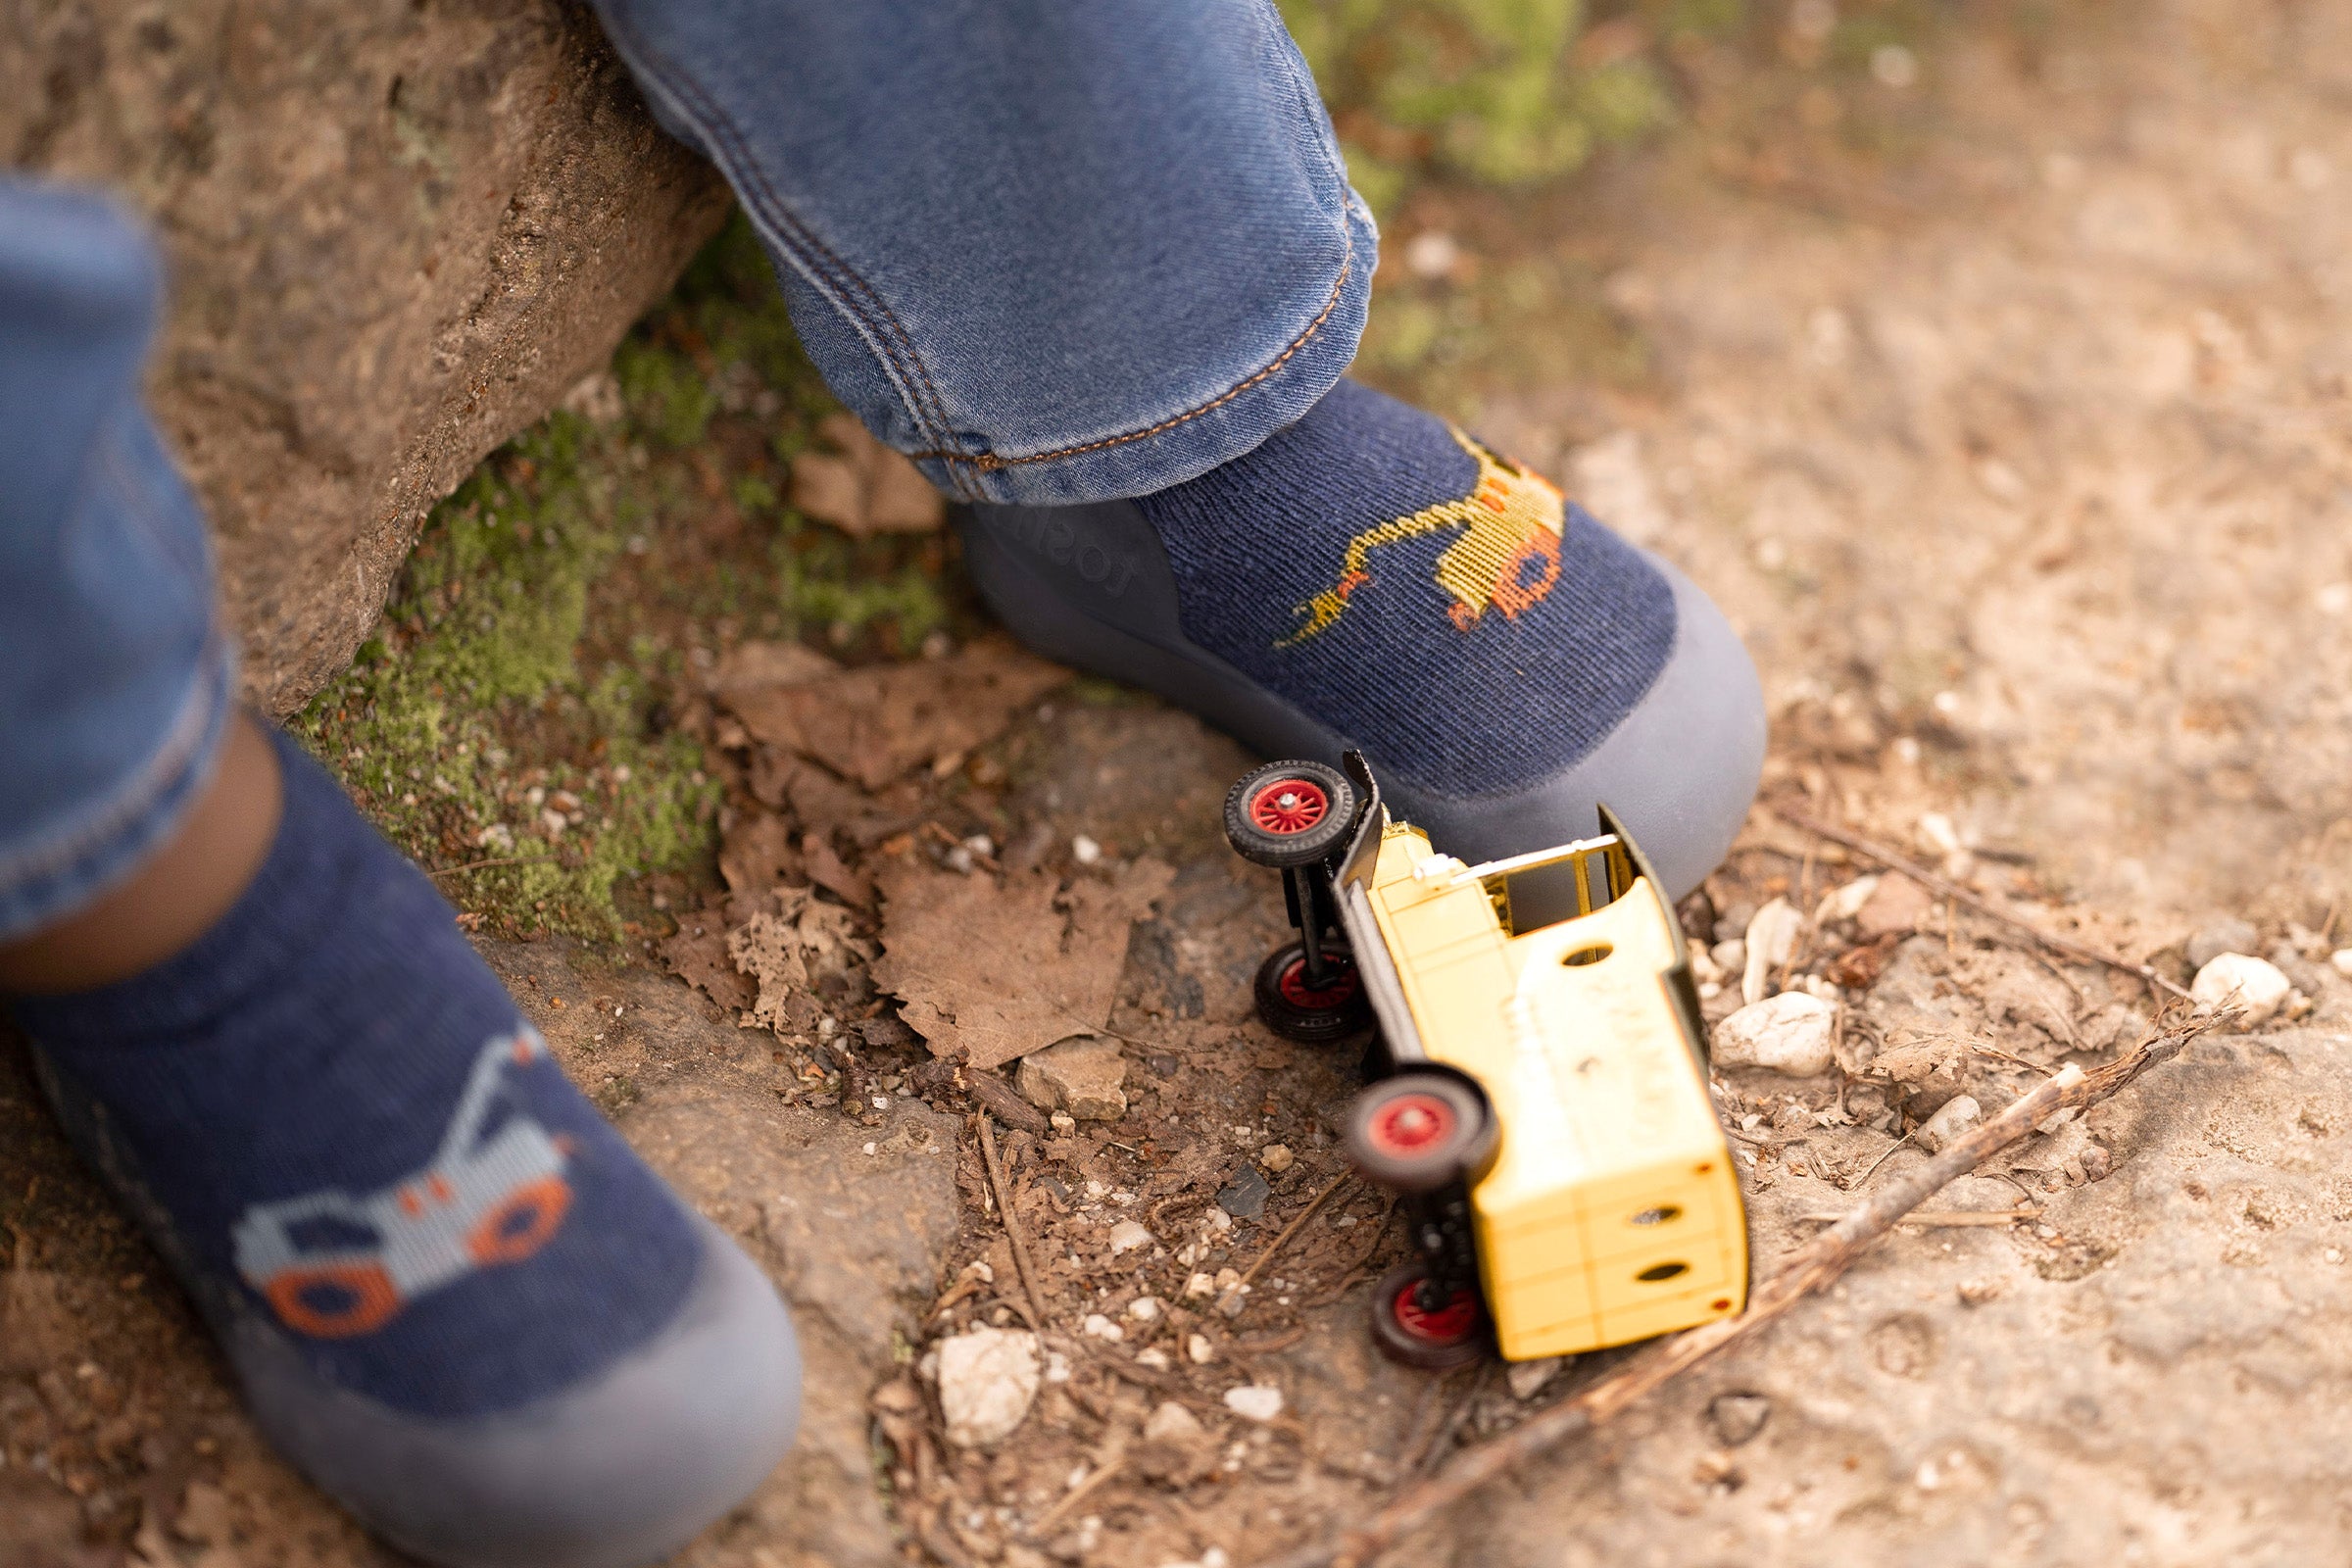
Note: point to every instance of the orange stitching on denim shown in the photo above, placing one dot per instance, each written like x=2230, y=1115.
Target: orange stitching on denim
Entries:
x=990, y=463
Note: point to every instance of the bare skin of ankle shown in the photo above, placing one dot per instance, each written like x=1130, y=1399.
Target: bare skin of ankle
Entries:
x=177, y=896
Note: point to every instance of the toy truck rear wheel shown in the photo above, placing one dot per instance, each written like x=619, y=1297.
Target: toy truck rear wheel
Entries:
x=1288, y=815
x=1420, y=1132
x=1311, y=1014
x=1425, y=1324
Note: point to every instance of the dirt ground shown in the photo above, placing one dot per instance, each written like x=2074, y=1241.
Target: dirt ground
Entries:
x=2020, y=455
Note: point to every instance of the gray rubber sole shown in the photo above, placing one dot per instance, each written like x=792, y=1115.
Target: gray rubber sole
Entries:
x=1090, y=586
x=615, y=1474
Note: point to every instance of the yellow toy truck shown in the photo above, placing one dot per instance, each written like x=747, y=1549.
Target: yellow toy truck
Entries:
x=1541, y=1102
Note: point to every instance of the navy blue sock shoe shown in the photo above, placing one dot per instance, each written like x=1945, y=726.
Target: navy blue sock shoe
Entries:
x=453, y=1296
x=1372, y=578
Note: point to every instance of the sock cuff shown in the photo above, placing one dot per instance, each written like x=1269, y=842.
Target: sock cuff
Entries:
x=317, y=862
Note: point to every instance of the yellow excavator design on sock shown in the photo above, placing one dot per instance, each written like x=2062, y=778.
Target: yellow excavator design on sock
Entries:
x=1508, y=556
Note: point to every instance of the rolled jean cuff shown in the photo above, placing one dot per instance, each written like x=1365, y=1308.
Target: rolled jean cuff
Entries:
x=1054, y=251
x=1187, y=442
x=46, y=880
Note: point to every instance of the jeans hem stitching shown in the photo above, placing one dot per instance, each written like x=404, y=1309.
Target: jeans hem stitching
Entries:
x=991, y=462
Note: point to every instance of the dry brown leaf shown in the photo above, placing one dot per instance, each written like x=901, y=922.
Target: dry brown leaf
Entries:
x=826, y=870
x=863, y=487
x=876, y=724
x=698, y=954
x=824, y=803
x=999, y=969
x=786, y=953
x=766, y=663
x=757, y=852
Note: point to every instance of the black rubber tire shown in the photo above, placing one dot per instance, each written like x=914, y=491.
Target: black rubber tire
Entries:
x=1310, y=1019
x=1421, y=1131
x=1414, y=1339
x=1266, y=830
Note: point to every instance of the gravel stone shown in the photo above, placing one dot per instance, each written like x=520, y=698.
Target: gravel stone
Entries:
x=987, y=1381
x=1254, y=1402
x=1793, y=1033
x=1955, y=1116
x=1736, y=1418
x=2254, y=986
x=1245, y=1198
x=1080, y=1076
x=1771, y=943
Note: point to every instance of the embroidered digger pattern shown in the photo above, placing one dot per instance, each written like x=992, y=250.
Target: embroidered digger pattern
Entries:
x=333, y=1265
x=1508, y=558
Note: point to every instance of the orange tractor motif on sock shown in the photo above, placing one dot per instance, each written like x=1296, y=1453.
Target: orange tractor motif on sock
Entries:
x=333, y=1265
x=1508, y=556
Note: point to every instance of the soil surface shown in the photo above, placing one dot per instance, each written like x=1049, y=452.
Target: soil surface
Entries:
x=2019, y=455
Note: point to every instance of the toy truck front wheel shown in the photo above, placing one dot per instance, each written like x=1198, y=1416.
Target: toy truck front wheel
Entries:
x=1421, y=1131
x=1289, y=814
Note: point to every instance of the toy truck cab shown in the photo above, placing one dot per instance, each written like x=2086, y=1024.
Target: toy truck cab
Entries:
x=1544, y=1106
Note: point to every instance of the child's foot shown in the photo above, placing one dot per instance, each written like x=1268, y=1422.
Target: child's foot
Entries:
x=1372, y=578
x=453, y=1295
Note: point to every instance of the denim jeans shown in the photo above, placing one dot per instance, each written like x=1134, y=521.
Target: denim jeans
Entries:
x=113, y=681
x=1055, y=250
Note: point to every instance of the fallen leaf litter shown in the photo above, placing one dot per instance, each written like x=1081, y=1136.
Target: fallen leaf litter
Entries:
x=1126, y=1257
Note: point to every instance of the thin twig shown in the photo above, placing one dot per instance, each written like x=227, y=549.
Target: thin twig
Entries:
x=1433, y=1452
x=1975, y=901
x=1284, y=1240
x=1903, y=1142
x=1977, y=1047
x=484, y=866
x=1012, y=1221
x=1945, y=1218
x=1809, y=1268
x=1347, y=1277
x=1102, y=1476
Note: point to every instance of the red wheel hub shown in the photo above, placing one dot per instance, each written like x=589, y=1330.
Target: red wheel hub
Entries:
x=1337, y=991
x=1288, y=805
x=1412, y=1124
x=1449, y=1324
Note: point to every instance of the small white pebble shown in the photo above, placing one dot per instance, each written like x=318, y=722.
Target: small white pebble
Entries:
x=1084, y=850
x=1064, y=1122
x=2253, y=986
x=959, y=859
x=1144, y=1308
x=1199, y=1350
x=869, y=1149
x=1200, y=1285
x=1895, y=65
x=2341, y=960
x=1276, y=1157
x=1057, y=1367
x=1254, y=1402
x=981, y=844
x=1099, y=1327
x=1153, y=1357
x=1432, y=253
x=1126, y=1236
